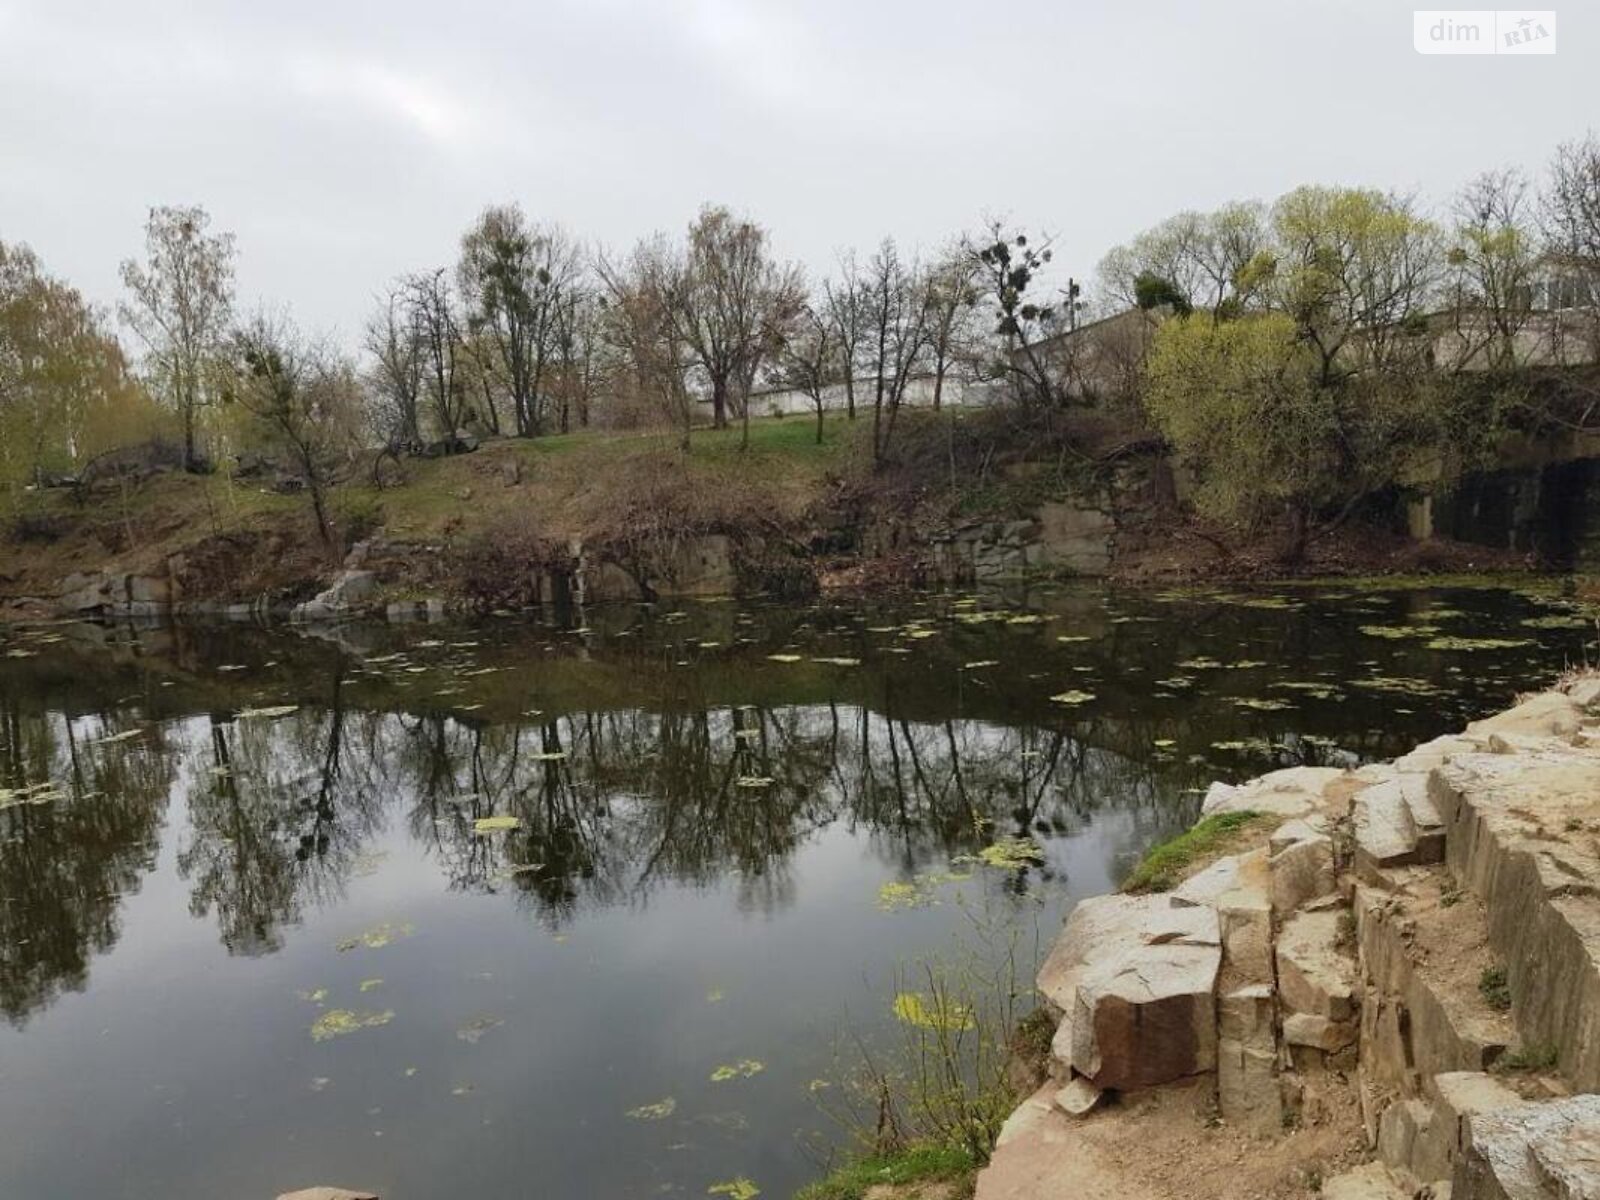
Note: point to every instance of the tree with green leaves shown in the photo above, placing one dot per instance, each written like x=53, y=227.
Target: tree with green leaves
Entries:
x=65, y=390
x=180, y=303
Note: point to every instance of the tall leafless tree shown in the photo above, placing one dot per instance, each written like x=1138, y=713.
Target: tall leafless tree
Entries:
x=898, y=324
x=514, y=278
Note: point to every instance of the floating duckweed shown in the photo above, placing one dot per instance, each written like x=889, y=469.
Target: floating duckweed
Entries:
x=1261, y=705
x=735, y=1189
x=368, y=984
x=486, y=825
x=754, y=782
x=917, y=1010
x=313, y=995
x=476, y=1028
x=337, y=1022
x=548, y=756
x=745, y=1068
x=269, y=713
x=47, y=792
x=1011, y=854
x=838, y=662
x=1072, y=696
x=659, y=1111
x=1397, y=632
x=113, y=738
x=1464, y=643
x=378, y=936
x=1390, y=683
x=783, y=658
x=895, y=895
x=1558, y=621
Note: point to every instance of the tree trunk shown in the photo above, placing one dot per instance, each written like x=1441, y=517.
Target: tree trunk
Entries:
x=1299, y=534
x=189, y=460
x=819, y=424
x=719, y=404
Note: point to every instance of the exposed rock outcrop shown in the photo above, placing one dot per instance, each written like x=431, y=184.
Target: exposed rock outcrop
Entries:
x=1414, y=943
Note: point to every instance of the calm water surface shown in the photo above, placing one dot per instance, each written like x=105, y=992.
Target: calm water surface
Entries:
x=222, y=847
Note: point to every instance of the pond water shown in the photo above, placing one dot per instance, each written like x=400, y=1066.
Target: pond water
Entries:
x=253, y=935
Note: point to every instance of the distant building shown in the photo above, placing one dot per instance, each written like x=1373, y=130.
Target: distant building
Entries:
x=957, y=392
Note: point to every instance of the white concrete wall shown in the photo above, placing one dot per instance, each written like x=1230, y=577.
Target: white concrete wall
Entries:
x=918, y=394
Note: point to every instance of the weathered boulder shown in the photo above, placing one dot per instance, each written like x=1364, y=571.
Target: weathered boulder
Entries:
x=1078, y=1098
x=1396, y=824
x=1547, y=714
x=1248, y=1094
x=1074, y=539
x=1301, y=865
x=1373, y=1181
x=1548, y=1151
x=1237, y=887
x=1291, y=792
x=1316, y=972
x=1134, y=978
x=351, y=588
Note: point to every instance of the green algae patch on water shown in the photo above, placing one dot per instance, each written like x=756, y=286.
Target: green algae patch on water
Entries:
x=1073, y=697
x=745, y=1068
x=337, y=1022
x=486, y=825
x=1165, y=865
x=735, y=1189
x=1488, y=643
x=377, y=937
x=926, y=1013
x=659, y=1111
x=1559, y=621
x=477, y=1027
x=1395, y=633
x=1009, y=854
x=269, y=713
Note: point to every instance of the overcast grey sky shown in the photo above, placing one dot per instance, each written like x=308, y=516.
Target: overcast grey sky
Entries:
x=345, y=141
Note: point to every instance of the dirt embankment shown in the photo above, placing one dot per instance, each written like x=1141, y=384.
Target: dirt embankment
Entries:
x=967, y=497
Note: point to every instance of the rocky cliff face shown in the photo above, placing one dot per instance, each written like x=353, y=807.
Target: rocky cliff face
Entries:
x=1396, y=993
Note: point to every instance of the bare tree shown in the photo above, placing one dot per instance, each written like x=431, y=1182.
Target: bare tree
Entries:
x=845, y=303
x=726, y=297
x=515, y=277
x=1492, y=259
x=952, y=298
x=580, y=355
x=898, y=322
x=432, y=307
x=304, y=398
x=181, y=307
x=1572, y=202
x=394, y=344
x=1008, y=279
x=638, y=324
x=809, y=361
